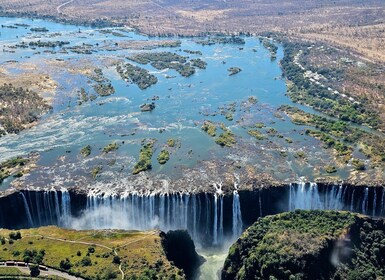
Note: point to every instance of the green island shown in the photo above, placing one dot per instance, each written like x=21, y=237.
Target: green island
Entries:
x=98, y=254
x=256, y=134
x=39, y=29
x=309, y=245
x=86, y=151
x=210, y=128
x=134, y=74
x=199, y=63
x=226, y=138
x=163, y=157
x=110, y=147
x=103, y=86
x=145, y=155
x=171, y=142
x=95, y=171
x=222, y=40
x=272, y=48
x=168, y=60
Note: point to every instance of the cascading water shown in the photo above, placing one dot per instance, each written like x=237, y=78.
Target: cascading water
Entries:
x=210, y=218
x=365, y=202
x=237, y=216
x=27, y=211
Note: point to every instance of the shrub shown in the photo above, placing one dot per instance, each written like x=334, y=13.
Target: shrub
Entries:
x=86, y=261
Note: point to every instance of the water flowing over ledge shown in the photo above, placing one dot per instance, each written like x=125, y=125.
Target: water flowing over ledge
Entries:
x=211, y=219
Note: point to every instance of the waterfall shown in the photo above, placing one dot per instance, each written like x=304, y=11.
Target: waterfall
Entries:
x=215, y=226
x=208, y=217
x=374, y=202
x=260, y=203
x=365, y=201
x=237, y=216
x=221, y=219
x=57, y=207
x=26, y=208
x=352, y=201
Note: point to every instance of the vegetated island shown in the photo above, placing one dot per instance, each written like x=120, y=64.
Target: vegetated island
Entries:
x=309, y=245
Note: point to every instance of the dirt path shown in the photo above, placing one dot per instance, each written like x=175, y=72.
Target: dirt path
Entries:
x=62, y=5
x=92, y=244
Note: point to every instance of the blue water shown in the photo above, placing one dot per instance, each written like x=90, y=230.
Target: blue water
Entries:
x=179, y=111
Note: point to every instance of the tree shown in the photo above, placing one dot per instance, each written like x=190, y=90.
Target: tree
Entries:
x=65, y=264
x=86, y=261
x=34, y=270
x=116, y=260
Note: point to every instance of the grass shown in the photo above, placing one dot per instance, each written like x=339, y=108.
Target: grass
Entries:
x=11, y=271
x=137, y=250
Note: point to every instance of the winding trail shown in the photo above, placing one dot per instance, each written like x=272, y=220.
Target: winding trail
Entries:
x=62, y=5
x=95, y=244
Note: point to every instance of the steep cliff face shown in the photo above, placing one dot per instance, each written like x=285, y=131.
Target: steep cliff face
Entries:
x=309, y=245
x=180, y=250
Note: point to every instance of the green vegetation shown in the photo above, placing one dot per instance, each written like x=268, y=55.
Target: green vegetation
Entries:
x=110, y=147
x=234, y=70
x=136, y=75
x=302, y=244
x=193, y=52
x=199, y=63
x=358, y=164
x=209, y=128
x=339, y=135
x=255, y=133
x=46, y=44
x=268, y=44
x=171, y=142
x=145, y=156
x=164, y=60
x=163, y=157
x=13, y=166
x=86, y=151
x=226, y=139
x=138, y=253
x=19, y=108
x=286, y=246
x=229, y=116
x=39, y=29
x=260, y=125
x=222, y=40
x=95, y=171
x=11, y=271
x=320, y=97
x=330, y=169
